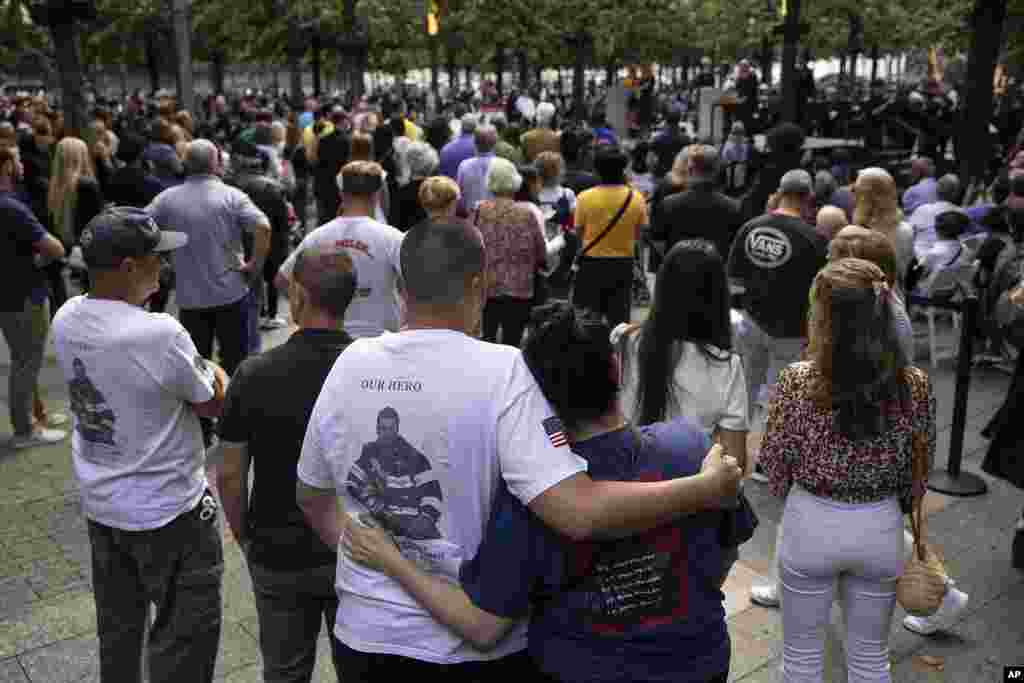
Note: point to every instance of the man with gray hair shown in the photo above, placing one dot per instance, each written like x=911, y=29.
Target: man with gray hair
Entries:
x=947, y=191
x=459, y=149
x=422, y=161
x=775, y=258
x=702, y=211
x=214, y=276
x=472, y=173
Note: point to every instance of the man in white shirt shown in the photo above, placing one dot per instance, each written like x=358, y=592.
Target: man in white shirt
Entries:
x=417, y=429
x=373, y=247
x=138, y=386
x=947, y=251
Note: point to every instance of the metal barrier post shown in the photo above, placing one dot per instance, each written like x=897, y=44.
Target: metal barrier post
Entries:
x=953, y=481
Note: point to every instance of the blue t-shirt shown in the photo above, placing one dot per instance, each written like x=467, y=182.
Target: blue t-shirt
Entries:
x=646, y=608
x=20, y=231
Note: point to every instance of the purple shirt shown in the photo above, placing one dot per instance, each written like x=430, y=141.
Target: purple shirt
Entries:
x=924, y=192
x=454, y=153
x=472, y=179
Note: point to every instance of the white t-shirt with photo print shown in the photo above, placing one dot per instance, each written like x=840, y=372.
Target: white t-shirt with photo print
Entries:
x=418, y=428
x=375, y=250
x=137, y=446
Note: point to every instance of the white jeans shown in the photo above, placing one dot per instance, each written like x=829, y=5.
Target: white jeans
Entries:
x=860, y=549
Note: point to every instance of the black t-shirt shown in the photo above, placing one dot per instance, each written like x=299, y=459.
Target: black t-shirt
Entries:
x=19, y=231
x=268, y=405
x=776, y=257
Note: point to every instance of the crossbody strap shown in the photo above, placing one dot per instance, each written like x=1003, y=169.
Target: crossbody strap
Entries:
x=612, y=224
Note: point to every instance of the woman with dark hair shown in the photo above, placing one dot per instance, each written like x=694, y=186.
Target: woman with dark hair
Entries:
x=609, y=218
x=585, y=622
x=680, y=362
x=841, y=433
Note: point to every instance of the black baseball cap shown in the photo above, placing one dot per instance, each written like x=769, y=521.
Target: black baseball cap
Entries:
x=122, y=232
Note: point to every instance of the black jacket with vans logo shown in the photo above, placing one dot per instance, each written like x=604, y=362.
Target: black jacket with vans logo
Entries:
x=776, y=257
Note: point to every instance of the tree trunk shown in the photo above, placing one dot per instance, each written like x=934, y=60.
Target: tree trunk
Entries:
x=453, y=72
x=578, y=96
x=217, y=70
x=499, y=69
x=875, y=56
x=69, y=70
x=524, y=70
x=767, y=59
x=183, y=46
x=975, y=148
x=316, y=64
x=152, y=64
x=435, y=65
x=610, y=70
x=791, y=42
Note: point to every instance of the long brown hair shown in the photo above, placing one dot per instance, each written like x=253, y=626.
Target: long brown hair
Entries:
x=853, y=346
x=877, y=202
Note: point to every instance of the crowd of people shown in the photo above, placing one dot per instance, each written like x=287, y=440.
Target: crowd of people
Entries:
x=530, y=482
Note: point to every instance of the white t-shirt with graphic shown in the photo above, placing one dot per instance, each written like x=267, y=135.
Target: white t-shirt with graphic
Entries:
x=375, y=250
x=137, y=446
x=417, y=428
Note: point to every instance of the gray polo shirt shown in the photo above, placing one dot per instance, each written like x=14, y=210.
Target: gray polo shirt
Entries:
x=214, y=215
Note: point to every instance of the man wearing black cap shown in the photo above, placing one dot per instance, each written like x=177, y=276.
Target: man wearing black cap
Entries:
x=138, y=387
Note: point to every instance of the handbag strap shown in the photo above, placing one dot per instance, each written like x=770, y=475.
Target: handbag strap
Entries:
x=615, y=220
x=919, y=470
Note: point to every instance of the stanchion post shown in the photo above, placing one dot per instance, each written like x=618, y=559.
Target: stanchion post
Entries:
x=953, y=481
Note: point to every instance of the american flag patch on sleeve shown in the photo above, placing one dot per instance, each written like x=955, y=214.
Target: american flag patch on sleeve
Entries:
x=556, y=432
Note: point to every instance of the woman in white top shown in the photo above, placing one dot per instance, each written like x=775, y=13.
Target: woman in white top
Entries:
x=556, y=201
x=680, y=362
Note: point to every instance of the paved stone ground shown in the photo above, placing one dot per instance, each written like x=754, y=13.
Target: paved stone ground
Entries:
x=48, y=624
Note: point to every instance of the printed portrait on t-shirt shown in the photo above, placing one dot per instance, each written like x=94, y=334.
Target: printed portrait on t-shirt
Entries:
x=95, y=418
x=396, y=483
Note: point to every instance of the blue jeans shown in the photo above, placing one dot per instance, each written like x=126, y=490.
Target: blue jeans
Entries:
x=178, y=568
x=291, y=606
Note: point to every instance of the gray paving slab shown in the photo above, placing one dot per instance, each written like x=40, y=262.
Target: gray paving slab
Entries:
x=66, y=661
x=11, y=672
x=47, y=617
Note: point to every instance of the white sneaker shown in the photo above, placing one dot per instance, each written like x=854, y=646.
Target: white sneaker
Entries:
x=953, y=605
x=40, y=437
x=766, y=595
x=56, y=419
x=759, y=476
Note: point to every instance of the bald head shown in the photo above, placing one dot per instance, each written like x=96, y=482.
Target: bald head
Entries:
x=831, y=219
x=486, y=138
x=922, y=167
x=439, y=261
x=329, y=278
x=201, y=158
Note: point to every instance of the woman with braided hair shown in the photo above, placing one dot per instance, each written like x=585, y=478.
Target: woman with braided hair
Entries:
x=838, y=446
